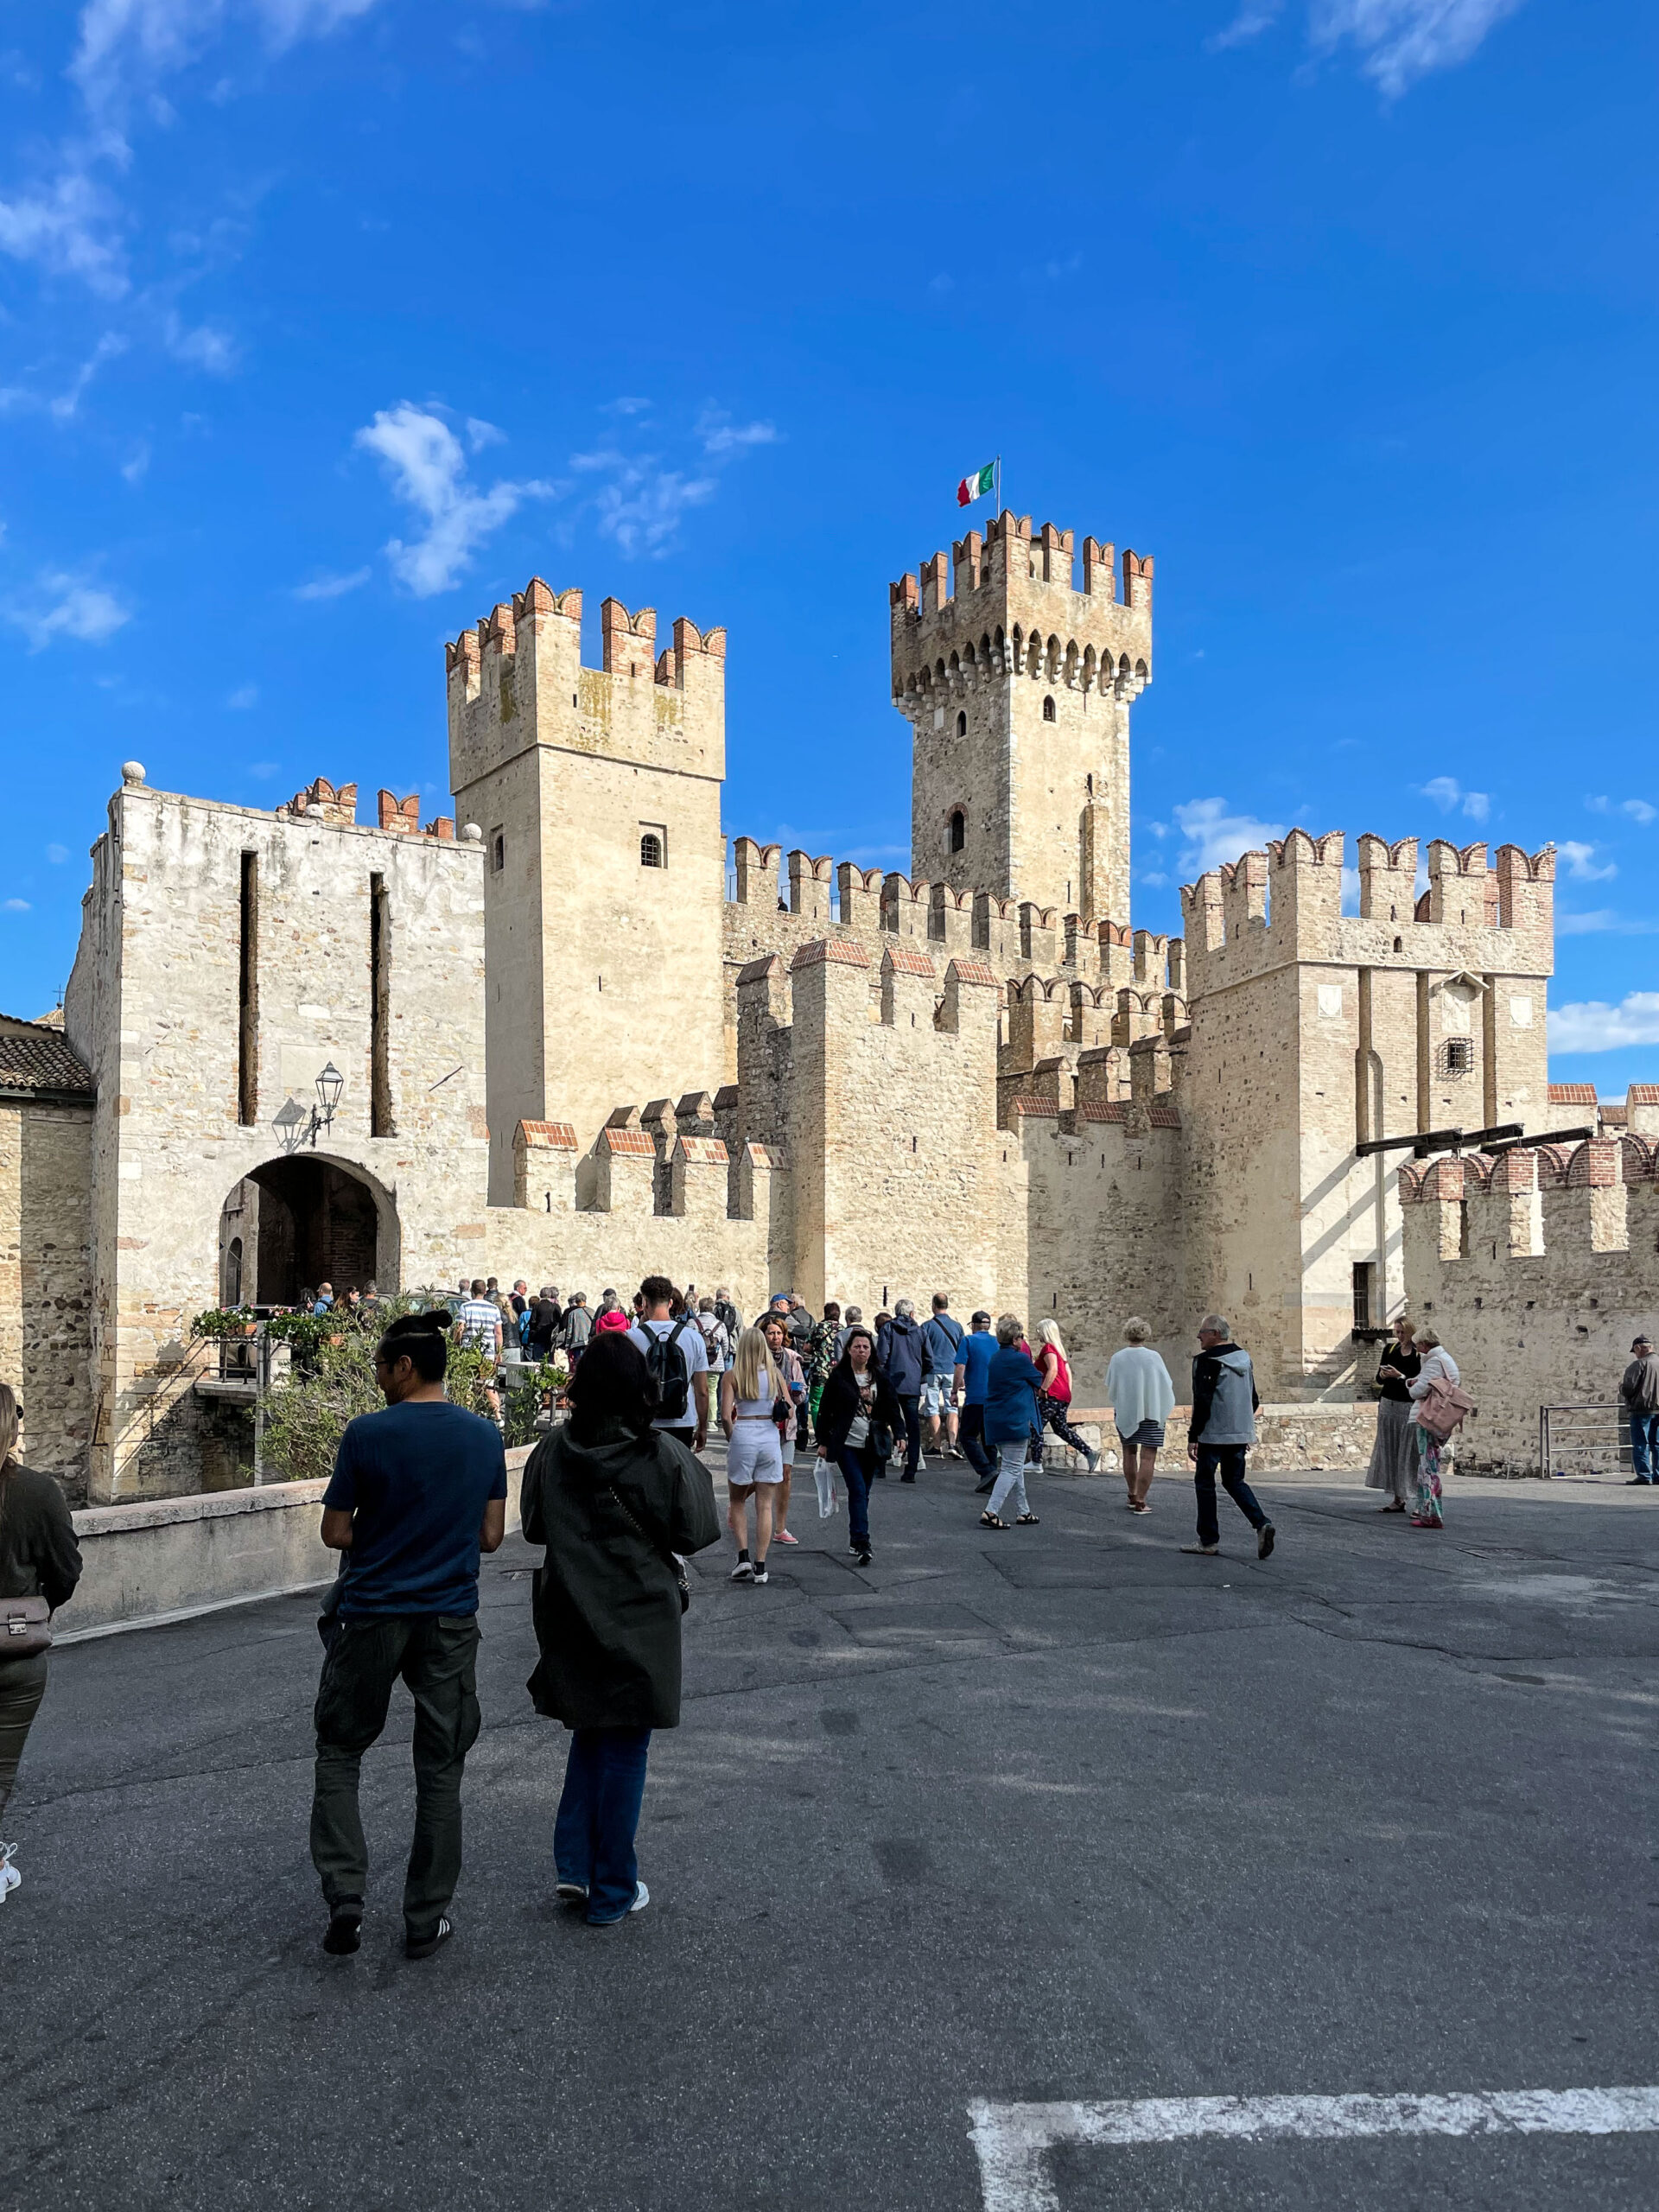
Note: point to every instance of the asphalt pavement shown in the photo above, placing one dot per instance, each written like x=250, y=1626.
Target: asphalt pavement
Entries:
x=1052, y=1818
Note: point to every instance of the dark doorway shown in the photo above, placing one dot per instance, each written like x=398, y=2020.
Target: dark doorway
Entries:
x=302, y=1222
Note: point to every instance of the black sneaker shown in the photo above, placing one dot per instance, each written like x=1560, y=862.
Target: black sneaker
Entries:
x=759, y=1572
x=571, y=1892
x=428, y=1944
x=861, y=1559
x=1264, y=1540
x=345, y=1931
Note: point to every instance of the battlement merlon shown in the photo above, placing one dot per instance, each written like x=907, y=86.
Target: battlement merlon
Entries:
x=1010, y=587
x=516, y=680
x=1267, y=908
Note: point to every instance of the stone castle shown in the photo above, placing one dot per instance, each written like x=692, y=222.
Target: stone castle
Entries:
x=568, y=1041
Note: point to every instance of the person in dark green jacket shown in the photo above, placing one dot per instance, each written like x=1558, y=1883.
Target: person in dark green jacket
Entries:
x=613, y=1500
x=39, y=1558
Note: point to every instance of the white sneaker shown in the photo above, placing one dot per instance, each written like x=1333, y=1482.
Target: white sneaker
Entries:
x=10, y=1879
x=641, y=1897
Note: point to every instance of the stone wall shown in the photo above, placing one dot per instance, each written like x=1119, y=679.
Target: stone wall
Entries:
x=153, y=1009
x=1537, y=1268
x=46, y=1300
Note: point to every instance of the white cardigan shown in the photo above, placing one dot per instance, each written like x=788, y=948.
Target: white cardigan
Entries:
x=1138, y=1387
x=1438, y=1366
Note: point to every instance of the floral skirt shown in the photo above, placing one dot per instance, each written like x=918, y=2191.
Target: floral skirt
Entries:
x=1428, y=1479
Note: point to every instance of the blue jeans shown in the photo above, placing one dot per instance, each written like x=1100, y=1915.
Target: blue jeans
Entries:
x=1645, y=1445
x=857, y=1470
x=1229, y=1460
x=970, y=1435
x=593, y=1837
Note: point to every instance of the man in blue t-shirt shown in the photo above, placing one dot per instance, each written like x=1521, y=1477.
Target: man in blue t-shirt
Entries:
x=418, y=1492
x=973, y=1357
x=940, y=1338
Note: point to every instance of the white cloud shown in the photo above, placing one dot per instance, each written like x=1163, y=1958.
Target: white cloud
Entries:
x=481, y=434
x=1639, y=809
x=1592, y=1025
x=1213, y=835
x=1250, y=23
x=423, y=458
x=721, y=436
x=265, y=770
x=244, y=696
x=643, y=505
x=68, y=401
x=68, y=607
x=628, y=404
x=68, y=219
x=332, y=587
x=138, y=468
x=16, y=907
x=1582, y=862
x=57, y=855
x=204, y=347
x=1399, y=40
x=1449, y=796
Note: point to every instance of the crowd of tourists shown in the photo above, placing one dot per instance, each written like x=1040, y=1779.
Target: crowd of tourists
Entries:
x=618, y=1496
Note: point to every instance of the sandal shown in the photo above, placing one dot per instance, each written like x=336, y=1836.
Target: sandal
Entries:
x=1027, y=1521
x=1397, y=1507
x=992, y=1521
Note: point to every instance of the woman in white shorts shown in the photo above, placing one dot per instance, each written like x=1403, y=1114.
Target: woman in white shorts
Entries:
x=749, y=1389
x=787, y=1363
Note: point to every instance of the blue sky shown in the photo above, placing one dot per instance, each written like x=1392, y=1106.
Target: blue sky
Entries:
x=324, y=324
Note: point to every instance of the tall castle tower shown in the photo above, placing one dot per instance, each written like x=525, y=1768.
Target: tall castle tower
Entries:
x=598, y=792
x=1016, y=679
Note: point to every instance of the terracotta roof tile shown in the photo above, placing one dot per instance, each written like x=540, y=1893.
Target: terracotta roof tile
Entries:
x=550, y=1136
x=639, y=1143
x=830, y=948
x=1041, y=1106
x=33, y=1058
x=708, y=1152
x=906, y=962
x=1572, y=1094
x=972, y=972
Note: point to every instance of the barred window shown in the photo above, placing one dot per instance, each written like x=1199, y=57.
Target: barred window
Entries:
x=650, y=850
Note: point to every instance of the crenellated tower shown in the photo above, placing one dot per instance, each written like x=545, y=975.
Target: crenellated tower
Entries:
x=1016, y=670
x=598, y=792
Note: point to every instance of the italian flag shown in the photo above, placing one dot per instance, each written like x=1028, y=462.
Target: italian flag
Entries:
x=975, y=484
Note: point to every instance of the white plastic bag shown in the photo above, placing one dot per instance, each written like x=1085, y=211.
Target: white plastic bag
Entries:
x=824, y=1474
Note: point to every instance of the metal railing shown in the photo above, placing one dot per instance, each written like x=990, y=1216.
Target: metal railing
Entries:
x=1587, y=1439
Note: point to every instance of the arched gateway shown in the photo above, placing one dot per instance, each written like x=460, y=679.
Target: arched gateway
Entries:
x=304, y=1219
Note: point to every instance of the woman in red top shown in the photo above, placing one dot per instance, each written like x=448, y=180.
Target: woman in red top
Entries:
x=1054, y=1400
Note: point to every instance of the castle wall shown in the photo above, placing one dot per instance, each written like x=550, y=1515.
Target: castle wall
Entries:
x=46, y=1281
x=1313, y=1030
x=1537, y=1269
x=1106, y=1234
x=153, y=1010
x=1016, y=678
x=605, y=972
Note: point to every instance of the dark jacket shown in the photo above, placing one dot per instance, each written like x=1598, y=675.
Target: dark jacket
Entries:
x=1639, y=1385
x=1405, y=1364
x=1224, y=1397
x=838, y=1407
x=39, y=1556
x=606, y=1602
x=1011, y=1386
x=546, y=1315
x=898, y=1352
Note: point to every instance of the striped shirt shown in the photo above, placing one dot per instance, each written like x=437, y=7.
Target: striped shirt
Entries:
x=479, y=1322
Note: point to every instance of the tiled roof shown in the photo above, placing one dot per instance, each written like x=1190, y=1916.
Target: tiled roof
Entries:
x=1572, y=1094
x=710, y=1151
x=1643, y=1094
x=838, y=948
x=972, y=972
x=907, y=961
x=556, y=1136
x=35, y=1059
x=1045, y=1106
x=633, y=1141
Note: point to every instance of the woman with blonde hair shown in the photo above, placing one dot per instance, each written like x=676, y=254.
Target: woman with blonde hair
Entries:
x=1142, y=1396
x=749, y=1391
x=39, y=1566
x=1394, y=1453
x=1054, y=1399
x=1436, y=1366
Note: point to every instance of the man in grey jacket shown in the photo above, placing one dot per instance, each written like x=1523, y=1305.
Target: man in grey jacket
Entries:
x=1638, y=1391
x=1221, y=1431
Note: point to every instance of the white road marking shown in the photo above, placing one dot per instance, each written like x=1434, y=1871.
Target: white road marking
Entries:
x=1011, y=2140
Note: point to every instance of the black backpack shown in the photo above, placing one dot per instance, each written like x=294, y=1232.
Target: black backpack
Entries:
x=666, y=1365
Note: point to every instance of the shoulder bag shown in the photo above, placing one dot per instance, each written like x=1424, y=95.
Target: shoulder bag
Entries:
x=1443, y=1409
x=671, y=1559
x=25, y=1623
